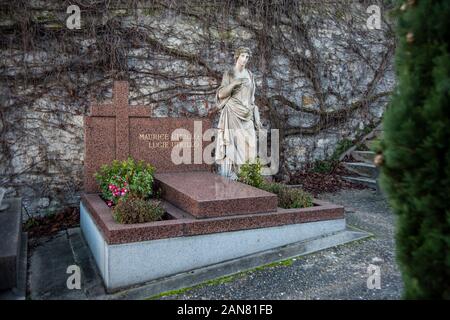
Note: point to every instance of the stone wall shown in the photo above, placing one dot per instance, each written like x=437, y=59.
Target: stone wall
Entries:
x=322, y=77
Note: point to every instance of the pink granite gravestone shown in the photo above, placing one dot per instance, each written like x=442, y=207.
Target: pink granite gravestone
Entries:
x=221, y=220
x=116, y=130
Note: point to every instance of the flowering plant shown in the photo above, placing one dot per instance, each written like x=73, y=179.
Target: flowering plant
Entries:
x=123, y=178
x=117, y=189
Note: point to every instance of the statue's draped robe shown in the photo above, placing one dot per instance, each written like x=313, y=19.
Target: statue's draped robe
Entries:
x=236, y=137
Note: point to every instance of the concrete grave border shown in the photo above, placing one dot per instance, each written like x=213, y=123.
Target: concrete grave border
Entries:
x=128, y=255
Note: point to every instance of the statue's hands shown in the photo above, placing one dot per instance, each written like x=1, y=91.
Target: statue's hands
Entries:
x=257, y=119
x=240, y=81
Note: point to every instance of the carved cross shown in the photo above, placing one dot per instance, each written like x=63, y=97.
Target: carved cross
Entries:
x=122, y=111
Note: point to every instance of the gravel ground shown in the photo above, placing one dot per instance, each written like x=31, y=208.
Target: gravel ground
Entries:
x=336, y=273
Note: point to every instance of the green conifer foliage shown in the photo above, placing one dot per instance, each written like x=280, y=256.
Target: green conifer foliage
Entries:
x=416, y=148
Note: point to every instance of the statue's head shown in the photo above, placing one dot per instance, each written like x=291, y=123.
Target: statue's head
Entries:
x=242, y=55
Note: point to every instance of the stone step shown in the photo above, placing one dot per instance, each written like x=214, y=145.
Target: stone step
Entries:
x=10, y=244
x=363, y=169
x=363, y=156
x=372, y=183
x=205, y=195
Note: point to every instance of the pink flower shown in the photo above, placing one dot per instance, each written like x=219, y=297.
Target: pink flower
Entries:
x=109, y=203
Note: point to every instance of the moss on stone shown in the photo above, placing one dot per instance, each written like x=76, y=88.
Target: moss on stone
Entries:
x=226, y=279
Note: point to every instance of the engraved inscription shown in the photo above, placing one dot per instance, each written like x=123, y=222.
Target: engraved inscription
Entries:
x=164, y=141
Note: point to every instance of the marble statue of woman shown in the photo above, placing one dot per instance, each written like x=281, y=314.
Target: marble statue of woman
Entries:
x=236, y=140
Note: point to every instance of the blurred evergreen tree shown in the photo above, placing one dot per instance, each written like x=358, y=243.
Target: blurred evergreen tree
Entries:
x=416, y=148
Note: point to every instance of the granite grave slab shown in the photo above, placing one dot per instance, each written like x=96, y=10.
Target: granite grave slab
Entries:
x=209, y=219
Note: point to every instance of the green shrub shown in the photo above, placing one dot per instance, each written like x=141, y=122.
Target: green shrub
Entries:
x=125, y=178
x=289, y=198
x=341, y=147
x=272, y=187
x=328, y=165
x=250, y=173
x=324, y=166
x=136, y=210
x=294, y=198
x=376, y=146
x=416, y=149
